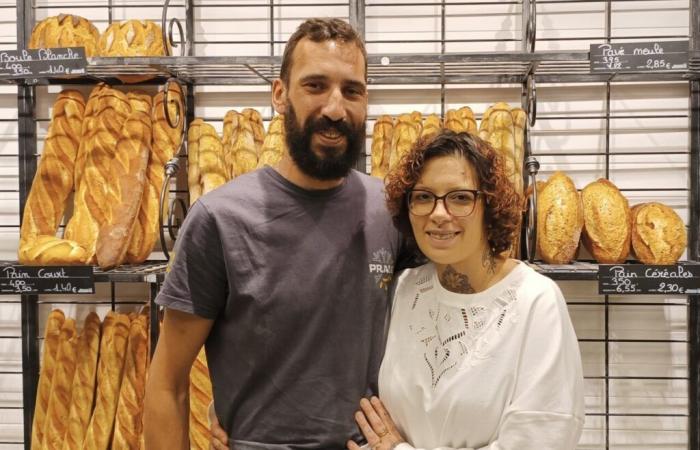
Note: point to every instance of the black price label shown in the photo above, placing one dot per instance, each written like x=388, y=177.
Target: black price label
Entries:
x=678, y=279
x=42, y=62
x=639, y=57
x=46, y=280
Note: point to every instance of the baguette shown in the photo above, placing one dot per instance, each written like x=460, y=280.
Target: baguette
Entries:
x=91, y=208
x=256, y=123
x=109, y=378
x=406, y=133
x=128, y=426
x=559, y=220
x=164, y=146
x=53, y=182
x=61, y=385
x=244, y=147
x=87, y=131
x=231, y=128
x=126, y=183
x=200, y=398
x=210, y=159
x=659, y=235
x=48, y=366
x=453, y=121
x=607, y=222
x=431, y=126
x=381, y=146
x=52, y=251
x=275, y=144
x=466, y=116
x=193, y=171
x=83, y=389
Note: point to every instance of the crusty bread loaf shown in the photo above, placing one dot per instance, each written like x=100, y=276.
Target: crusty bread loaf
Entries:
x=200, y=398
x=87, y=131
x=256, y=124
x=231, y=127
x=210, y=158
x=61, y=388
x=65, y=30
x=243, y=153
x=453, y=121
x=132, y=38
x=128, y=425
x=193, y=172
x=48, y=366
x=91, y=208
x=559, y=220
x=466, y=115
x=659, y=235
x=52, y=251
x=431, y=126
x=381, y=146
x=109, y=378
x=607, y=224
x=126, y=183
x=274, y=146
x=83, y=389
x=164, y=146
x=406, y=133
x=53, y=182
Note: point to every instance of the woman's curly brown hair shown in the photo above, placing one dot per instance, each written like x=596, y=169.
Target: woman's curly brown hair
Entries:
x=502, y=205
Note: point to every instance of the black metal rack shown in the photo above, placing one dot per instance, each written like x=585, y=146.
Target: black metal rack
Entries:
x=443, y=69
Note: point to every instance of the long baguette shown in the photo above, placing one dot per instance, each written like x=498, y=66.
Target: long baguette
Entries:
x=274, y=146
x=200, y=398
x=48, y=367
x=381, y=145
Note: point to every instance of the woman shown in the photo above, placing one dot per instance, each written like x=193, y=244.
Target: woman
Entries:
x=481, y=353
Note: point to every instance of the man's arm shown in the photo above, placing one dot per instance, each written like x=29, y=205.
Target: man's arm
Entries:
x=166, y=408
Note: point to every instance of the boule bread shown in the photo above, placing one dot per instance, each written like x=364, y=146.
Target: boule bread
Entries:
x=606, y=222
x=659, y=235
x=559, y=220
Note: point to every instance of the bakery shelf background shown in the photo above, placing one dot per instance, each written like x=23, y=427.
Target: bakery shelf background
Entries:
x=635, y=349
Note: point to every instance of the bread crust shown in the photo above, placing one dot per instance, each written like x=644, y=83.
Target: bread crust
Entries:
x=275, y=144
x=559, y=220
x=607, y=229
x=659, y=235
x=382, y=136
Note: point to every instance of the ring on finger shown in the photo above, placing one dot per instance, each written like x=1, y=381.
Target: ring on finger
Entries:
x=384, y=433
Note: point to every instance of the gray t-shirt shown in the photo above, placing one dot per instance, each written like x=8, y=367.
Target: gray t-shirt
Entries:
x=297, y=283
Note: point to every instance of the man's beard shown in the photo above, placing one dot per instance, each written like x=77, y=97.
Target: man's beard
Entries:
x=334, y=162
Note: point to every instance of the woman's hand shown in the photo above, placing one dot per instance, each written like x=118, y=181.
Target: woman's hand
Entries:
x=219, y=439
x=376, y=425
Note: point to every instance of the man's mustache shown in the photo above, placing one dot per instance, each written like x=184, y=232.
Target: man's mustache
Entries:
x=324, y=124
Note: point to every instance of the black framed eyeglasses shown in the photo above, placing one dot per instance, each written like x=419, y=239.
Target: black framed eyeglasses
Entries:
x=459, y=203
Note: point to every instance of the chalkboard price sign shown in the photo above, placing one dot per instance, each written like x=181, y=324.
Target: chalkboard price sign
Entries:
x=678, y=279
x=639, y=57
x=46, y=280
x=42, y=63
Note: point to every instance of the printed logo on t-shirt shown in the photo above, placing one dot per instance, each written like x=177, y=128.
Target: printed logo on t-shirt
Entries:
x=381, y=265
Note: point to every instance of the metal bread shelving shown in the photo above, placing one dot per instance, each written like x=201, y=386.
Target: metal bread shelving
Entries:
x=526, y=67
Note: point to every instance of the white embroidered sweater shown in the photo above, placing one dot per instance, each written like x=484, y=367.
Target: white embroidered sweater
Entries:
x=497, y=370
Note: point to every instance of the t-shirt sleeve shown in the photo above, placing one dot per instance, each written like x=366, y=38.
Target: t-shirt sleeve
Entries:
x=196, y=282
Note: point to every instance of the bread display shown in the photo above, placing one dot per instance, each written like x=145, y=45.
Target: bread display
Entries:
x=206, y=151
x=559, y=220
x=125, y=183
x=128, y=426
x=659, y=235
x=90, y=211
x=200, y=398
x=406, y=133
x=381, y=145
x=109, y=378
x=606, y=222
x=165, y=143
x=275, y=144
x=242, y=133
x=61, y=388
x=65, y=30
x=84, y=380
x=431, y=126
x=52, y=334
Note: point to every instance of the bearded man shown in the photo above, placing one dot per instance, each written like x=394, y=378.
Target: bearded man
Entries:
x=282, y=272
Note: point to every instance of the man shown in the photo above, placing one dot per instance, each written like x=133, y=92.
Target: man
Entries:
x=283, y=272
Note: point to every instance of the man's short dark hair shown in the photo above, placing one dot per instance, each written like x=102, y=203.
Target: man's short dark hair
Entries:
x=320, y=30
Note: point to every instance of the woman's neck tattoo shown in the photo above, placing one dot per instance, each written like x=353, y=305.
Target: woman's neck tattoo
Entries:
x=488, y=261
x=454, y=281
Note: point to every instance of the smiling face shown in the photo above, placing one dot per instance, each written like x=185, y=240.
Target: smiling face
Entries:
x=325, y=107
x=443, y=238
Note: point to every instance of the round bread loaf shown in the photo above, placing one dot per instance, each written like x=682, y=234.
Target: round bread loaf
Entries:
x=559, y=220
x=132, y=38
x=607, y=224
x=65, y=30
x=658, y=234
